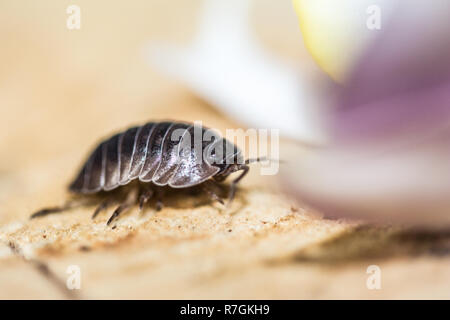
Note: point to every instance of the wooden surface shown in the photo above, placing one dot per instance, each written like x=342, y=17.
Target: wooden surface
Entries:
x=61, y=91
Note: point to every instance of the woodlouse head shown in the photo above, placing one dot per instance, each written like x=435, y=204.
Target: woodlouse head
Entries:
x=224, y=155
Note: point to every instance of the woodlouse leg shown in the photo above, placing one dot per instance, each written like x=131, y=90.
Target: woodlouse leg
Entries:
x=159, y=205
x=159, y=195
x=121, y=208
x=209, y=186
x=102, y=206
x=235, y=182
x=65, y=207
x=129, y=202
x=144, y=197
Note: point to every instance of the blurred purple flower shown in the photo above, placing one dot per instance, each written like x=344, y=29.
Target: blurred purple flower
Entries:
x=402, y=83
x=389, y=151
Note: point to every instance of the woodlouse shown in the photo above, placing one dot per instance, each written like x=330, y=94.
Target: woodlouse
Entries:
x=156, y=154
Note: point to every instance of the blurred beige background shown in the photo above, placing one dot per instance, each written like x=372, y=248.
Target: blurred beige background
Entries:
x=62, y=90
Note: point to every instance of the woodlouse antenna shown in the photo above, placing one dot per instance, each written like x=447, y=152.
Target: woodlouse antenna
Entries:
x=261, y=159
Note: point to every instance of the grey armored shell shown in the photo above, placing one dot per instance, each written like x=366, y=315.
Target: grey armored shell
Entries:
x=151, y=154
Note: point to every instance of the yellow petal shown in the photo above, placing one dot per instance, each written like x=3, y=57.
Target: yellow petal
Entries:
x=335, y=32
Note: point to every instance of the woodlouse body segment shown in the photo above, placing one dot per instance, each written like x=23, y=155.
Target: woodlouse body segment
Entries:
x=153, y=154
x=140, y=150
x=126, y=152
